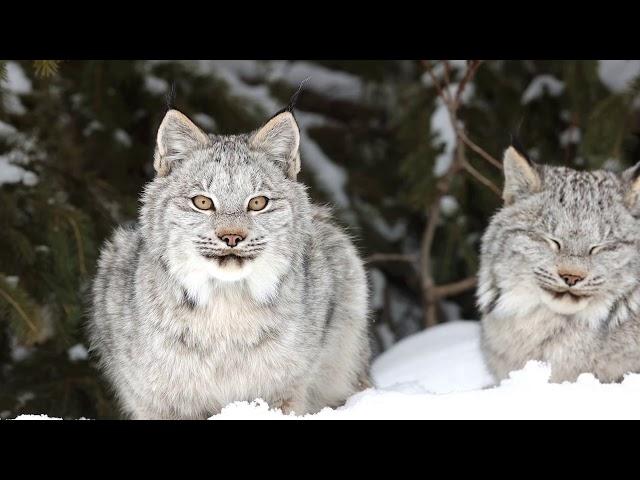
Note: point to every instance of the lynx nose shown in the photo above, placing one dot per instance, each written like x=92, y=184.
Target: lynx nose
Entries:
x=570, y=278
x=231, y=239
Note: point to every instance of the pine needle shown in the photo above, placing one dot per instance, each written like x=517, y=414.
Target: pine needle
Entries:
x=46, y=68
x=20, y=311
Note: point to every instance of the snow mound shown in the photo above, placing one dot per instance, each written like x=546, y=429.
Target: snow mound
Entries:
x=443, y=359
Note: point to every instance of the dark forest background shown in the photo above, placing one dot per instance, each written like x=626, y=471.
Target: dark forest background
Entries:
x=407, y=152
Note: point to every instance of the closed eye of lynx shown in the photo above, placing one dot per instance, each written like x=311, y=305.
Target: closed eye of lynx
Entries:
x=258, y=203
x=553, y=243
x=602, y=247
x=202, y=202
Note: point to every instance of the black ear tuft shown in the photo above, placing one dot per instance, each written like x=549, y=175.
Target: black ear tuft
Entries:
x=292, y=102
x=171, y=97
x=516, y=143
x=294, y=97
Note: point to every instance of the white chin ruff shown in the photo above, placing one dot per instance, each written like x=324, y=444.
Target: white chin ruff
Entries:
x=231, y=270
x=565, y=306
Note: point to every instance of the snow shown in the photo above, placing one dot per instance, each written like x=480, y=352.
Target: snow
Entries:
x=448, y=205
x=92, y=127
x=11, y=173
x=391, y=232
x=122, y=138
x=13, y=161
x=20, y=352
x=442, y=127
x=525, y=395
x=17, y=81
x=570, y=135
x=77, y=353
x=439, y=374
x=457, y=68
x=155, y=85
x=35, y=417
x=319, y=79
x=616, y=74
x=7, y=130
x=204, y=121
x=15, y=84
x=442, y=359
x=540, y=85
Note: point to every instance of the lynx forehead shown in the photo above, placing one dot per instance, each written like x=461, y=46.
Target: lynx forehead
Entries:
x=209, y=299
x=559, y=267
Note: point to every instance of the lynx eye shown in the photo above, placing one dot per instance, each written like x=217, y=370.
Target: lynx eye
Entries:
x=258, y=203
x=203, y=203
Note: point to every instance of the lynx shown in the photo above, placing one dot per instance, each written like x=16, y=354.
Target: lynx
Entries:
x=560, y=272
x=233, y=286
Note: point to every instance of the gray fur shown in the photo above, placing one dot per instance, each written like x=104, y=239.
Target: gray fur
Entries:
x=527, y=312
x=180, y=332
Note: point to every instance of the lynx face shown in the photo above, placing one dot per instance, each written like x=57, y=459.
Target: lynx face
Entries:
x=565, y=239
x=226, y=203
x=233, y=208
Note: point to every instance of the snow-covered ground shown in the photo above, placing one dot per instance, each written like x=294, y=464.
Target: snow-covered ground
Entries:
x=439, y=374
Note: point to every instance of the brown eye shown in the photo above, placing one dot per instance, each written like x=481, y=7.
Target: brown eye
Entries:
x=202, y=202
x=258, y=203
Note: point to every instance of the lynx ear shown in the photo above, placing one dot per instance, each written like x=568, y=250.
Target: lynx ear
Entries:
x=176, y=136
x=520, y=176
x=279, y=138
x=631, y=179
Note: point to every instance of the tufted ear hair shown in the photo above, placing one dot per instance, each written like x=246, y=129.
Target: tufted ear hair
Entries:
x=631, y=180
x=279, y=139
x=177, y=135
x=521, y=177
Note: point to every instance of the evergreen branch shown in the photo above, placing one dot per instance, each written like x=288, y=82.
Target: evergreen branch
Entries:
x=20, y=311
x=46, y=68
x=78, y=238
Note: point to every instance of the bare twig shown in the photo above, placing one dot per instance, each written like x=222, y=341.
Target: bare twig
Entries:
x=481, y=178
x=390, y=257
x=441, y=93
x=447, y=73
x=463, y=136
x=455, y=288
x=472, y=67
x=431, y=292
